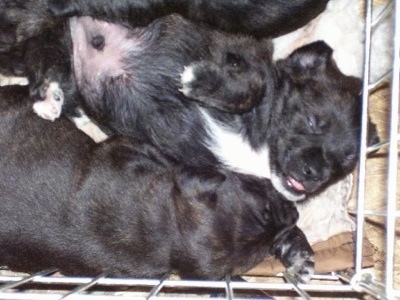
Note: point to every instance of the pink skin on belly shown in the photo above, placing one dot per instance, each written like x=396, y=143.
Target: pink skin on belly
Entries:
x=91, y=65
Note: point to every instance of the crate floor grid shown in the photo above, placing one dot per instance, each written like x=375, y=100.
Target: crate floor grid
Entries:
x=49, y=285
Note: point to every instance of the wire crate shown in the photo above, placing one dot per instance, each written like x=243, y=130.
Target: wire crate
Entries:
x=348, y=284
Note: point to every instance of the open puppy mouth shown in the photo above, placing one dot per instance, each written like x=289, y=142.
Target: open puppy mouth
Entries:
x=295, y=185
x=288, y=187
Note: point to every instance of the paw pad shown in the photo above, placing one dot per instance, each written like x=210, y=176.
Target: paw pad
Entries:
x=302, y=268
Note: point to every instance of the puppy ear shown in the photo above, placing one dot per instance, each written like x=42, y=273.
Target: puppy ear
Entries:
x=307, y=60
x=194, y=182
x=351, y=84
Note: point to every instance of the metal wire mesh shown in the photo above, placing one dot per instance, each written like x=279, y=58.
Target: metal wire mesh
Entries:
x=47, y=285
x=386, y=290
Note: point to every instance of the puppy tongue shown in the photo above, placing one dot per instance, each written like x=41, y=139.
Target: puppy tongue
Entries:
x=295, y=184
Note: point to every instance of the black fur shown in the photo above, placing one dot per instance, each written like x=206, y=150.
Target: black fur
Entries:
x=21, y=19
x=123, y=208
x=306, y=113
x=312, y=124
x=259, y=18
x=303, y=89
x=303, y=110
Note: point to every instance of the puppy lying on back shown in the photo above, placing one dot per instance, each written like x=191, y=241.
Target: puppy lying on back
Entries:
x=123, y=208
x=296, y=121
x=23, y=22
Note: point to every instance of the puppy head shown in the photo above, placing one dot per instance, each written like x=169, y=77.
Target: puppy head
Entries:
x=210, y=196
x=316, y=123
x=209, y=188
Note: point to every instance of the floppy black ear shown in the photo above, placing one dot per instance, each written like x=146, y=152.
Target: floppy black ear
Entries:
x=194, y=181
x=308, y=59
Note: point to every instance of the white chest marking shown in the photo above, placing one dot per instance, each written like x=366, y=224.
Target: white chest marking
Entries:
x=234, y=151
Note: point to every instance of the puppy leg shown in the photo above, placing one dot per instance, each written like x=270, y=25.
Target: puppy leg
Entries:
x=225, y=87
x=296, y=254
x=48, y=69
x=91, y=129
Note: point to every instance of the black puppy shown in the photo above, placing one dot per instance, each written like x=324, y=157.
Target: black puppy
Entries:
x=23, y=19
x=303, y=132
x=258, y=18
x=48, y=63
x=40, y=20
x=123, y=208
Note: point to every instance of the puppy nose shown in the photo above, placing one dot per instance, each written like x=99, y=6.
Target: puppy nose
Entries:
x=315, y=167
x=311, y=172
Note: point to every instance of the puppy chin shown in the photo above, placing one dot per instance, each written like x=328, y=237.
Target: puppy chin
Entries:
x=281, y=186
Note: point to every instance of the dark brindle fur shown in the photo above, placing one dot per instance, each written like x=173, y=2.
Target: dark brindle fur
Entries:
x=21, y=19
x=124, y=208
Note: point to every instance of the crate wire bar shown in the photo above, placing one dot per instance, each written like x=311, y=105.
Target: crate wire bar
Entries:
x=53, y=286
x=13, y=283
x=393, y=160
x=387, y=290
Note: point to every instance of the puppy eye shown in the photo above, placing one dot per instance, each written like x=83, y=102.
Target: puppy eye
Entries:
x=317, y=125
x=234, y=60
x=351, y=156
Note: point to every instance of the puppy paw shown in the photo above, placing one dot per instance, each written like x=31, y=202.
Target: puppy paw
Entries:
x=221, y=87
x=301, y=266
x=200, y=80
x=52, y=100
x=295, y=253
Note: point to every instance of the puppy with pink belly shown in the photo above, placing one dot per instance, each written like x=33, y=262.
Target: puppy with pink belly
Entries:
x=301, y=156
x=295, y=121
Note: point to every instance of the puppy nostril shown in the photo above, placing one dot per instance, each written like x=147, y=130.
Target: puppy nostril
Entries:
x=310, y=172
x=98, y=42
x=307, y=170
